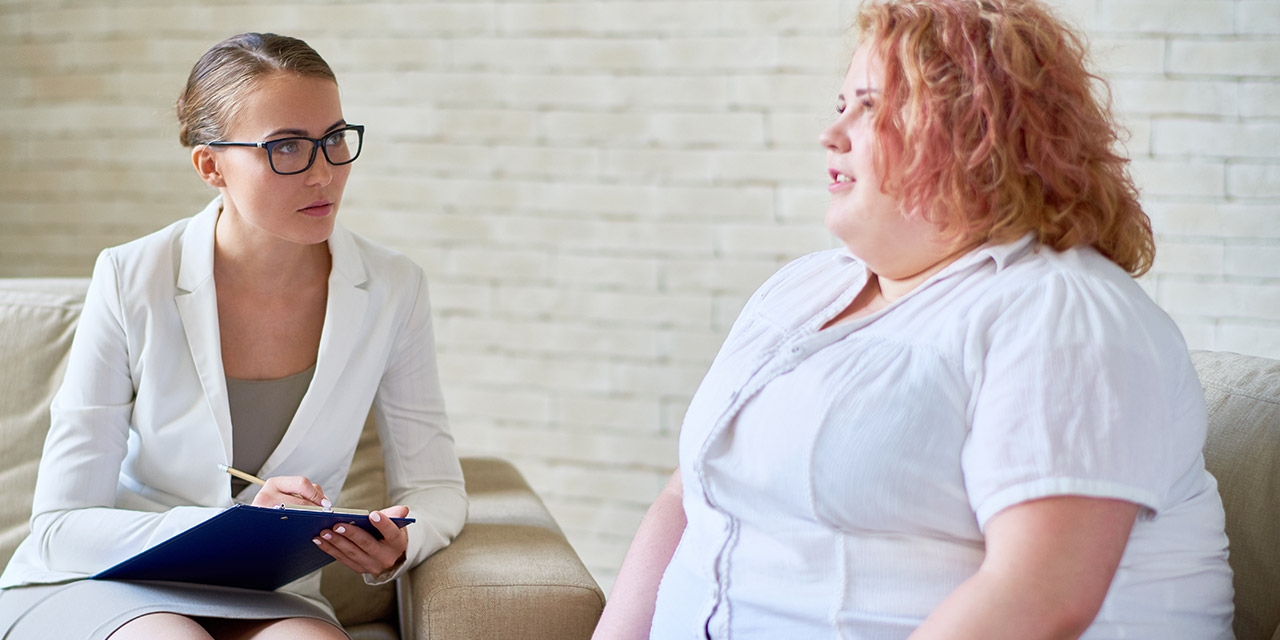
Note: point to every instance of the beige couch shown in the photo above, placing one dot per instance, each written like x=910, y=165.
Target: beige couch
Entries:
x=510, y=574
x=1243, y=453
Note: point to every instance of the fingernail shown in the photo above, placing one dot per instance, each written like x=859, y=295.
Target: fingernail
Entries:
x=316, y=540
x=375, y=516
x=325, y=503
x=340, y=529
x=328, y=536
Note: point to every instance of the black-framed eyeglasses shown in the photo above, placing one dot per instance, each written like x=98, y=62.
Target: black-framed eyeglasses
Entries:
x=289, y=156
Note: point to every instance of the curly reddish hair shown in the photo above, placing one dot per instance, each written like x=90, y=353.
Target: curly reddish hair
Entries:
x=995, y=127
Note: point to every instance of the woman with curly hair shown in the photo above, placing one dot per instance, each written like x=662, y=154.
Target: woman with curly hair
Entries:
x=970, y=421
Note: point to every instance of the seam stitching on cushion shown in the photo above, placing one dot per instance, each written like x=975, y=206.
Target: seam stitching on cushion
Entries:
x=42, y=305
x=1240, y=392
x=439, y=590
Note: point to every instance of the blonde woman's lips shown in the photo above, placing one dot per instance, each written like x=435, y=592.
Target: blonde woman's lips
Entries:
x=318, y=209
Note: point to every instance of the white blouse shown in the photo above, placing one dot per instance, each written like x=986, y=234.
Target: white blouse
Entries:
x=837, y=481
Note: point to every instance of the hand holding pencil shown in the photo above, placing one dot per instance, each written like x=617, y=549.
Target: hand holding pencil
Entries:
x=283, y=490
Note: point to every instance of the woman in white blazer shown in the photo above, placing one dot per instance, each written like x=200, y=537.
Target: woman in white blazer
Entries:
x=264, y=291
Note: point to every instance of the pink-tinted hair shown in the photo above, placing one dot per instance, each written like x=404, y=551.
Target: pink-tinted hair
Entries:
x=992, y=122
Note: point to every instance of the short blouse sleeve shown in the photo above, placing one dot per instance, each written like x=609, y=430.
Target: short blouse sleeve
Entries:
x=1080, y=392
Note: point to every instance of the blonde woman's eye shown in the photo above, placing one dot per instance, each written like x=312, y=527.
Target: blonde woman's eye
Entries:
x=288, y=147
x=840, y=106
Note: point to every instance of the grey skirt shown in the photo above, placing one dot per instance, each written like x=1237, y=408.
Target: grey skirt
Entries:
x=94, y=609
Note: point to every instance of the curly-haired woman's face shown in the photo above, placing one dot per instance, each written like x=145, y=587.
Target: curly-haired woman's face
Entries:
x=870, y=222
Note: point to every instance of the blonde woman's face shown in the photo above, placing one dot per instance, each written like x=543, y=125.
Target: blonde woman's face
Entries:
x=299, y=208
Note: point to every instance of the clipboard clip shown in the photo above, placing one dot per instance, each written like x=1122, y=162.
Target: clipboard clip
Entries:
x=282, y=506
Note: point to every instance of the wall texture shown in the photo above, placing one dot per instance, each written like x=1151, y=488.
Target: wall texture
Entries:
x=596, y=186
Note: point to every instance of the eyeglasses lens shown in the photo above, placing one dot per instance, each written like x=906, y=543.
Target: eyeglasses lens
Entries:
x=342, y=146
x=295, y=155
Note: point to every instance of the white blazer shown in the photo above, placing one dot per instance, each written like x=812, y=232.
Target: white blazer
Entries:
x=142, y=420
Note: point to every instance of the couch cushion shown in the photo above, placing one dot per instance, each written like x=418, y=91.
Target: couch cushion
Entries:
x=1243, y=453
x=510, y=569
x=38, y=319
x=500, y=495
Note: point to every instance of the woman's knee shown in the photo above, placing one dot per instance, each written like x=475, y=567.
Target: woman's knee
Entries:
x=160, y=625
x=281, y=629
x=305, y=628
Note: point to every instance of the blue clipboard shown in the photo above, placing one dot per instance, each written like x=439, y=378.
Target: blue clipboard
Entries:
x=244, y=546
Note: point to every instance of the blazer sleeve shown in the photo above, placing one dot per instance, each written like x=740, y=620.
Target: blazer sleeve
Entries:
x=422, y=467
x=74, y=524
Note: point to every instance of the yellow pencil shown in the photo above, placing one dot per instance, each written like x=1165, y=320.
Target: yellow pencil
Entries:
x=247, y=477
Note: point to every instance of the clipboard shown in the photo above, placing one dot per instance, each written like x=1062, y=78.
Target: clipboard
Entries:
x=244, y=546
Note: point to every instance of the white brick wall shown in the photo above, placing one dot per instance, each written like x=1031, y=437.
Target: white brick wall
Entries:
x=595, y=187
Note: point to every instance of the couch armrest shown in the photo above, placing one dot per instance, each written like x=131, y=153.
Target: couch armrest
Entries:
x=510, y=573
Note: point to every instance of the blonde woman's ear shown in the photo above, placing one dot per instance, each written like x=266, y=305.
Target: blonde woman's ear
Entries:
x=206, y=163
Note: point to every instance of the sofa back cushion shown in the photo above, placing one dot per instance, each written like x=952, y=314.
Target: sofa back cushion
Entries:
x=37, y=321
x=1243, y=453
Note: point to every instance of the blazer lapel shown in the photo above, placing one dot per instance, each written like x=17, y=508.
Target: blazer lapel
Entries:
x=343, y=319
x=197, y=303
